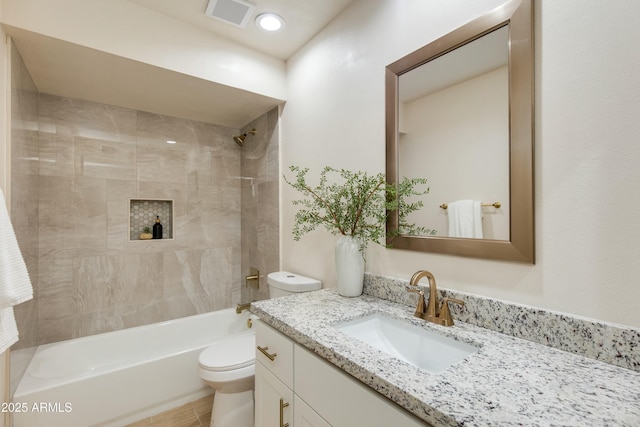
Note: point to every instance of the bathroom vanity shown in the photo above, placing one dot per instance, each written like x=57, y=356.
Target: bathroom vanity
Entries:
x=294, y=384
x=325, y=377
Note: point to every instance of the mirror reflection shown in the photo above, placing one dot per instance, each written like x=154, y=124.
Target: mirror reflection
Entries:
x=453, y=129
x=459, y=112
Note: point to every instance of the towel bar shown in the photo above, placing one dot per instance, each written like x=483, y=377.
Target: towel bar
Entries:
x=495, y=205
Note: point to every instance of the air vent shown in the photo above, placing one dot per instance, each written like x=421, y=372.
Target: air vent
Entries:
x=234, y=12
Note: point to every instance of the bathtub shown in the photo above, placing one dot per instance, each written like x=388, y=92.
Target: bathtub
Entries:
x=116, y=378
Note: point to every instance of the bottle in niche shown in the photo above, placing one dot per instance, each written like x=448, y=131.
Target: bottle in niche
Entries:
x=157, y=229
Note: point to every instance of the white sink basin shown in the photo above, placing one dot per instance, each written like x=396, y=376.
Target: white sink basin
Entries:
x=422, y=348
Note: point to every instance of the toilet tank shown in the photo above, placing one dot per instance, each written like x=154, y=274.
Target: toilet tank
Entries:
x=283, y=283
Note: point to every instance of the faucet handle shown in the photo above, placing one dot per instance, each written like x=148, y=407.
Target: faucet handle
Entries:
x=420, y=309
x=445, y=314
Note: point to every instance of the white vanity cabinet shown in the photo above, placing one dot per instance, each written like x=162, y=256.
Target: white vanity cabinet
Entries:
x=274, y=378
x=315, y=392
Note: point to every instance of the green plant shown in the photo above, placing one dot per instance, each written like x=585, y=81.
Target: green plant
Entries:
x=146, y=230
x=357, y=206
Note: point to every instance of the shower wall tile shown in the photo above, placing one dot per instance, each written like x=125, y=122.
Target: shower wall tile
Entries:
x=56, y=153
x=90, y=161
x=79, y=118
x=158, y=161
x=260, y=204
x=24, y=187
x=100, y=157
x=97, y=158
x=55, y=296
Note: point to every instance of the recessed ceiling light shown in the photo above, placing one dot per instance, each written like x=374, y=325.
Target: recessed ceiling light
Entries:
x=170, y=141
x=269, y=22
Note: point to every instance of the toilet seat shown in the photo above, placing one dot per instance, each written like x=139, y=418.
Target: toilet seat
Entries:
x=229, y=354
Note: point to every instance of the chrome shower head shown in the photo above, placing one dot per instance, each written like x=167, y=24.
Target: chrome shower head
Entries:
x=239, y=139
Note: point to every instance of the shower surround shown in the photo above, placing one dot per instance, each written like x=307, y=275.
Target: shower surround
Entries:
x=93, y=159
x=76, y=165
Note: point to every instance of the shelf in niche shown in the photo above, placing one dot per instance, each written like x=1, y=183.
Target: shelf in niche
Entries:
x=143, y=212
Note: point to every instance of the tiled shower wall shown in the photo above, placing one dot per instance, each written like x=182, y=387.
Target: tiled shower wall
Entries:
x=24, y=188
x=260, y=203
x=94, y=158
x=76, y=165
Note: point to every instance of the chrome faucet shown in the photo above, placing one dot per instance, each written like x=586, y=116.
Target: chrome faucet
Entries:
x=241, y=307
x=432, y=313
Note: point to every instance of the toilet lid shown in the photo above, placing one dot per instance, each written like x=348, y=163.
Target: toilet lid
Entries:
x=230, y=353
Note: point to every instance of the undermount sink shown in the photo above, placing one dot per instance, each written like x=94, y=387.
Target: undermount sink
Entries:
x=428, y=350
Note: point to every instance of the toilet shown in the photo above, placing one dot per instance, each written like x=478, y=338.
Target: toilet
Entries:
x=228, y=366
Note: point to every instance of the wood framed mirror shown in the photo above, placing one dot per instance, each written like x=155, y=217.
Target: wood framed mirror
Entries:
x=501, y=147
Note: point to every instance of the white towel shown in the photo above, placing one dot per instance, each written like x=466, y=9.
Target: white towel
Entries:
x=15, y=285
x=8, y=329
x=465, y=219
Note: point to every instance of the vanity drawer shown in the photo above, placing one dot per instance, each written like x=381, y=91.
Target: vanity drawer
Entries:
x=271, y=344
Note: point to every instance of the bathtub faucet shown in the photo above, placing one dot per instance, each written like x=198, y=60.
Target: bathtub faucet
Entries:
x=241, y=307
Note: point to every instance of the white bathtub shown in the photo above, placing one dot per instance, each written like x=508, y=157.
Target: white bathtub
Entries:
x=116, y=378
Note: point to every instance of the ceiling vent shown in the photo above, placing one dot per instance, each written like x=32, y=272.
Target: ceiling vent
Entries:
x=234, y=12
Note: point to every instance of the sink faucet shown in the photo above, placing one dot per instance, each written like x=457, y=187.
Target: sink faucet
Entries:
x=241, y=307
x=431, y=313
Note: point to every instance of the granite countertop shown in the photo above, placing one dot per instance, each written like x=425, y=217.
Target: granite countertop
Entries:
x=509, y=381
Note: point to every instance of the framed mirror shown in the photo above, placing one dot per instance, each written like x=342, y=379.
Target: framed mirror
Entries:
x=459, y=112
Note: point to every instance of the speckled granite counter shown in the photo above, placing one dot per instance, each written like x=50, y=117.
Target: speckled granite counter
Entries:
x=509, y=381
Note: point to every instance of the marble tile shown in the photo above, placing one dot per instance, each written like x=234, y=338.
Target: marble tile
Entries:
x=260, y=206
x=203, y=276
x=56, y=212
x=68, y=116
x=24, y=188
x=95, y=158
x=160, y=127
x=56, y=154
x=158, y=161
x=92, y=159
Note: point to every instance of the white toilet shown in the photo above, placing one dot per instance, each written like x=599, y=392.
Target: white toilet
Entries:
x=229, y=365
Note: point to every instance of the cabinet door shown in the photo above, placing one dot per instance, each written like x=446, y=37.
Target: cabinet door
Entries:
x=280, y=351
x=341, y=400
x=273, y=400
x=305, y=416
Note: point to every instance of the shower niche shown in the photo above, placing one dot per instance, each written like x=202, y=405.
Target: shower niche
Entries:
x=143, y=213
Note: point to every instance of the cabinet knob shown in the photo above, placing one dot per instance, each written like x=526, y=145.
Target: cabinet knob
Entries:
x=283, y=405
x=264, y=351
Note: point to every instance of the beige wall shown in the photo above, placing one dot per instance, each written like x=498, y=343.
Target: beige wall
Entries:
x=462, y=148
x=587, y=174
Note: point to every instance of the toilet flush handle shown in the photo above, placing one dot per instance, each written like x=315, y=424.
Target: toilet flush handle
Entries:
x=264, y=350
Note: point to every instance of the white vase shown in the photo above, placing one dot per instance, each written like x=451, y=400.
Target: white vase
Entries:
x=349, y=267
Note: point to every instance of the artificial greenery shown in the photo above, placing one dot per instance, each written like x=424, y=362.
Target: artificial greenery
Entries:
x=146, y=230
x=358, y=206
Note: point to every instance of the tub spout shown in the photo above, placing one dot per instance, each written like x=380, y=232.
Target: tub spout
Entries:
x=241, y=307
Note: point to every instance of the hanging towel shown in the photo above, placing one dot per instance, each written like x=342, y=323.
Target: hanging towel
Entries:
x=15, y=285
x=465, y=219
x=8, y=329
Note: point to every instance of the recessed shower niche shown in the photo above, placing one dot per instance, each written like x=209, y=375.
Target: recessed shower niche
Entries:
x=144, y=212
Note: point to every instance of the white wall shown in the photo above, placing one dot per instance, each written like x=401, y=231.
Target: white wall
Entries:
x=112, y=26
x=587, y=150
x=458, y=138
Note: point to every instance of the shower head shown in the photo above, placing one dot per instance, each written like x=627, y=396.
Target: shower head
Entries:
x=239, y=139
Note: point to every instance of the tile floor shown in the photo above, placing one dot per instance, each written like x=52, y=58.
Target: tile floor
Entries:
x=193, y=414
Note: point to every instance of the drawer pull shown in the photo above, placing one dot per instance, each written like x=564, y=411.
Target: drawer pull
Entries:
x=264, y=351
x=283, y=405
